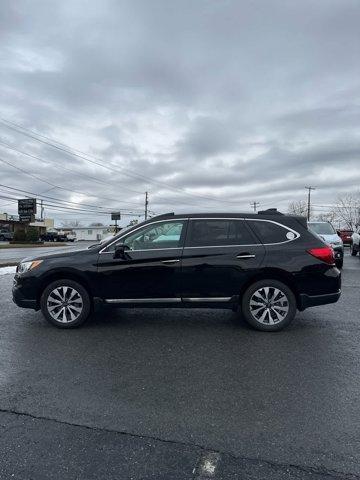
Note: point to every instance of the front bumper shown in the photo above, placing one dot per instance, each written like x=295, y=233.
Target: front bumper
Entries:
x=21, y=300
x=307, y=301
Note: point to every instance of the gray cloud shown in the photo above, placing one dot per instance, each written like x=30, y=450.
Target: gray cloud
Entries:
x=236, y=101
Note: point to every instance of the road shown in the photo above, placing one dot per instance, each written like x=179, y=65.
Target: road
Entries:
x=175, y=394
x=10, y=255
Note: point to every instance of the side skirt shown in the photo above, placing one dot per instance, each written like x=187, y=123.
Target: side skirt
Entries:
x=185, y=302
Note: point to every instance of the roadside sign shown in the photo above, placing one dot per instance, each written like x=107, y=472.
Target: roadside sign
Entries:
x=27, y=218
x=27, y=206
x=115, y=216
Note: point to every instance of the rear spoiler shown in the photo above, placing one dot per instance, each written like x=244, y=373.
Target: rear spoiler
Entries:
x=270, y=211
x=302, y=221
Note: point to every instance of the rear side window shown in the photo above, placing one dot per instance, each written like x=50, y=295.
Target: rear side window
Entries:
x=269, y=232
x=207, y=233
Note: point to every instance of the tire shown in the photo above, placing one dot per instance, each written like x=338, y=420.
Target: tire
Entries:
x=339, y=263
x=256, y=295
x=77, y=304
x=353, y=251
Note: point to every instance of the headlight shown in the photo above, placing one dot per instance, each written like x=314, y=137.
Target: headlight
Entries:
x=26, y=266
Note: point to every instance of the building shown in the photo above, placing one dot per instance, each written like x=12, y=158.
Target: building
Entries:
x=92, y=233
x=12, y=224
x=48, y=223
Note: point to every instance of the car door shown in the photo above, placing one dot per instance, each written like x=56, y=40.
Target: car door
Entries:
x=220, y=255
x=151, y=268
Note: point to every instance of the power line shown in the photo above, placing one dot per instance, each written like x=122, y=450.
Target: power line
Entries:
x=55, y=200
x=89, y=158
x=36, y=177
x=79, y=211
x=62, y=168
x=10, y=147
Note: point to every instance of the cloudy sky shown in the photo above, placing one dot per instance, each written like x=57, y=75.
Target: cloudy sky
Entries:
x=208, y=105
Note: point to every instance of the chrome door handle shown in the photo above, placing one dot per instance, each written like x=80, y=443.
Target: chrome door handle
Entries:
x=245, y=255
x=170, y=261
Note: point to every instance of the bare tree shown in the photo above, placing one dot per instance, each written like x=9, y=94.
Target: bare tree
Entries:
x=347, y=210
x=298, y=207
x=71, y=223
x=133, y=222
x=327, y=217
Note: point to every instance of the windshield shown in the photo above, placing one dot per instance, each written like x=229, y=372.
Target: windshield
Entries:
x=322, y=228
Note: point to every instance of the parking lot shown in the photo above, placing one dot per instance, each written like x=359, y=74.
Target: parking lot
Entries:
x=176, y=394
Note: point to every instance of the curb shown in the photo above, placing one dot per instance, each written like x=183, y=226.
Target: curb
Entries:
x=9, y=264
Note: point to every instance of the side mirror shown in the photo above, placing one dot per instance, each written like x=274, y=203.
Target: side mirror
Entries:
x=120, y=251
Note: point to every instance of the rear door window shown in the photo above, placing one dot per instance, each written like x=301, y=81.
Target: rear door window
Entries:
x=270, y=232
x=218, y=232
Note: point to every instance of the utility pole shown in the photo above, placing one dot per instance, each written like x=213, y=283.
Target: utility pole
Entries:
x=255, y=205
x=309, y=201
x=146, y=204
x=41, y=210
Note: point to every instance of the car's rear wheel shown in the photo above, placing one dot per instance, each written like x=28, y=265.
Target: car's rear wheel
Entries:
x=353, y=250
x=269, y=305
x=65, y=304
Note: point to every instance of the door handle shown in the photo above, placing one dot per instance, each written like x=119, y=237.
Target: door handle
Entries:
x=245, y=255
x=170, y=261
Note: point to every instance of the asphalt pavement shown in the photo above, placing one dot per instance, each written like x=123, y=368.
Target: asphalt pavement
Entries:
x=178, y=394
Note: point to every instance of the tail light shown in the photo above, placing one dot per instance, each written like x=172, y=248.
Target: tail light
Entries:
x=326, y=254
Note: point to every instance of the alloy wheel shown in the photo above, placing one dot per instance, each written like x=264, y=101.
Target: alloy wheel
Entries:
x=64, y=304
x=269, y=305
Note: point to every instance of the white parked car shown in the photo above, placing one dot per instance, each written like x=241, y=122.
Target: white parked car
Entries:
x=328, y=233
x=355, y=241
x=70, y=237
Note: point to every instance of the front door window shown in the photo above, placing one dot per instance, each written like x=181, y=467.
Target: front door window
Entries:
x=156, y=236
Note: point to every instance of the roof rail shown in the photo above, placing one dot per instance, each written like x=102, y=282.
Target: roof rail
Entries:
x=163, y=215
x=270, y=211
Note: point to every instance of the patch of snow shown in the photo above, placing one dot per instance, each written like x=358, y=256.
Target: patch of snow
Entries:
x=7, y=270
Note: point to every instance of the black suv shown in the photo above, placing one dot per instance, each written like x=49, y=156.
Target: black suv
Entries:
x=268, y=265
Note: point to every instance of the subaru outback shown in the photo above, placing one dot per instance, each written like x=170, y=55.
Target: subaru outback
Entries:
x=267, y=265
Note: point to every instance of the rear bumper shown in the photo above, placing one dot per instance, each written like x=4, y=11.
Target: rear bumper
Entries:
x=339, y=252
x=307, y=301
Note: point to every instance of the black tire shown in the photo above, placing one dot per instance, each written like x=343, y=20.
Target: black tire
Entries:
x=252, y=314
x=353, y=250
x=80, y=301
x=2, y=239
x=339, y=263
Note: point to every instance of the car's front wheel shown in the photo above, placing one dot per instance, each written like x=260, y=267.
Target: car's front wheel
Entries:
x=269, y=305
x=65, y=303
